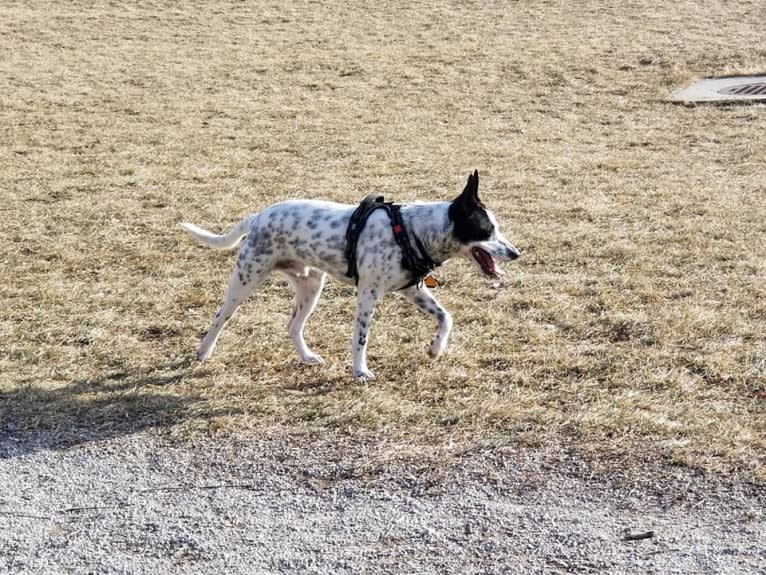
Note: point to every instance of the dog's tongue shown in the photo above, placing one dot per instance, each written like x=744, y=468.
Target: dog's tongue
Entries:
x=487, y=262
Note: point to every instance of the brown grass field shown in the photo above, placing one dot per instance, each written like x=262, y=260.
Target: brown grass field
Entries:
x=633, y=326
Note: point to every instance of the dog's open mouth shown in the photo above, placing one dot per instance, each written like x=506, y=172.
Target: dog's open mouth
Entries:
x=486, y=262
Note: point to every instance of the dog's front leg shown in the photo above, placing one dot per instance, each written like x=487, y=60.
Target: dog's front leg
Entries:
x=422, y=297
x=367, y=298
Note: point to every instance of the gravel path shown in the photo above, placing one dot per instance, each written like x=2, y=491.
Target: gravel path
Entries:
x=145, y=504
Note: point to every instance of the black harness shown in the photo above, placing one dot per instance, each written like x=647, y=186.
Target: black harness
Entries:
x=419, y=264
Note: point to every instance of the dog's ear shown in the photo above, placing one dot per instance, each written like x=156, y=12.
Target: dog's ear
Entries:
x=476, y=186
x=470, y=196
x=468, y=214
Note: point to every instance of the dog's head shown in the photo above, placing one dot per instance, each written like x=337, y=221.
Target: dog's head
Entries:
x=475, y=229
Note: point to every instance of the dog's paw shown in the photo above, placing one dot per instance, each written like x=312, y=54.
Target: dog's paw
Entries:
x=203, y=354
x=436, y=348
x=363, y=374
x=312, y=359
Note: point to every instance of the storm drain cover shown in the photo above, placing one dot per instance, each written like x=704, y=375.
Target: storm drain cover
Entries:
x=729, y=89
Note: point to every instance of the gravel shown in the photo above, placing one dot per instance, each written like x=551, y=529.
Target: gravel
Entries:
x=144, y=503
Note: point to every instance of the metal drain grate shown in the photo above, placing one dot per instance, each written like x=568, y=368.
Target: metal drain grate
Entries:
x=728, y=89
x=758, y=89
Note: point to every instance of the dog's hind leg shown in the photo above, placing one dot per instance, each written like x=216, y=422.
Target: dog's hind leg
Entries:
x=245, y=277
x=426, y=303
x=308, y=288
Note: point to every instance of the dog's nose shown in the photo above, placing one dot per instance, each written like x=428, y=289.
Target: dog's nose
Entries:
x=513, y=253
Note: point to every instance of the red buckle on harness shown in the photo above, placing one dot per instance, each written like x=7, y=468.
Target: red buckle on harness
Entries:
x=397, y=229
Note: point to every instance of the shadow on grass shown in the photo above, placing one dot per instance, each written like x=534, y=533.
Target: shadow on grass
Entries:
x=116, y=404
x=317, y=385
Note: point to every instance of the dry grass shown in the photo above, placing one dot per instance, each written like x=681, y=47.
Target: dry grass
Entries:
x=633, y=325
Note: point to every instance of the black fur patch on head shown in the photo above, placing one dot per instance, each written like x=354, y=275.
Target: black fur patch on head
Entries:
x=469, y=216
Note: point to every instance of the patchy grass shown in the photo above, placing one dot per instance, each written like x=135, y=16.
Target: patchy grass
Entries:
x=633, y=324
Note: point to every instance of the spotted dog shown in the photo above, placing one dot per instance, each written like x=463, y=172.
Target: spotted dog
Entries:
x=306, y=240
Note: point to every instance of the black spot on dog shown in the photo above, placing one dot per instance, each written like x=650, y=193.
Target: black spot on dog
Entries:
x=471, y=226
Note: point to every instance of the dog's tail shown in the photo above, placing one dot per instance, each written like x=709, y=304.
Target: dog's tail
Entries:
x=222, y=242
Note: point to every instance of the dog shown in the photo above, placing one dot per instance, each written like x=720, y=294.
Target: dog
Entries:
x=306, y=240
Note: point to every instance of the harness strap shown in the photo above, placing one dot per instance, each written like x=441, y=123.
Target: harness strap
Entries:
x=420, y=264
x=355, y=227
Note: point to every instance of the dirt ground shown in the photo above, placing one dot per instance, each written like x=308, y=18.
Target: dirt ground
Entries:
x=143, y=504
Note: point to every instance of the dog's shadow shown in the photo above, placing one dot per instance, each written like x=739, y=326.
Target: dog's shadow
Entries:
x=316, y=385
x=117, y=403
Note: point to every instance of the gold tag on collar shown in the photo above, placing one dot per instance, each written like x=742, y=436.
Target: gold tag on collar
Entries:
x=430, y=281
